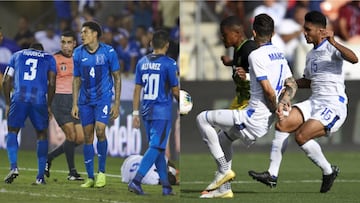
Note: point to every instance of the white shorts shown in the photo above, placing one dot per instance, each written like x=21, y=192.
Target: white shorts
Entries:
x=246, y=124
x=130, y=167
x=331, y=113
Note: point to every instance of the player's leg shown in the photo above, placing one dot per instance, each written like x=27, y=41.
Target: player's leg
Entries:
x=18, y=112
x=150, y=156
x=299, y=112
x=102, y=119
x=69, y=149
x=87, y=117
x=40, y=119
x=206, y=121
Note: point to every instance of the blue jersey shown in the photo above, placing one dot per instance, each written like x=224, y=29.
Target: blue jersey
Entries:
x=31, y=69
x=95, y=70
x=157, y=74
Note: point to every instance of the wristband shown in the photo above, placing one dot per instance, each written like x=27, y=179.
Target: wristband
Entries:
x=135, y=113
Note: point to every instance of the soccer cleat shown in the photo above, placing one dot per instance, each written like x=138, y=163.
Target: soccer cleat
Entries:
x=74, y=176
x=11, y=176
x=217, y=194
x=100, y=180
x=39, y=181
x=221, y=178
x=47, y=168
x=328, y=180
x=135, y=188
x=88, y=183
x=167, y=191
x=264, y=177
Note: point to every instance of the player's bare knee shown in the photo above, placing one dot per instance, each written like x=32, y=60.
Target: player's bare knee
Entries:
x=300, y=138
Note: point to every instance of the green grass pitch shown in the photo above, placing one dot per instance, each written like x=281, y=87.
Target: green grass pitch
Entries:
x=299, y=179
x=59, y=190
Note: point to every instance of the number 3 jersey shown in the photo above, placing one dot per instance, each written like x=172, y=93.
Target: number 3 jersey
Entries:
x=30, y=68
x=157, y=74
x=95, y=71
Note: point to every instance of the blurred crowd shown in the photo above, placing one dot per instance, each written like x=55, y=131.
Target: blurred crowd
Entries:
x=129, y=30
x=343, y=18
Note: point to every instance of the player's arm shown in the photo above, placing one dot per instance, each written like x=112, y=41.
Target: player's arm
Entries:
x=303, y=83
x=117, y=85
x=269, y=95
x=7, y=87
x=226, y=60
x=75, y=91
x=136, y=103
x=346, y=53
x=176, y=92
x=51, y=89
x=288, y=93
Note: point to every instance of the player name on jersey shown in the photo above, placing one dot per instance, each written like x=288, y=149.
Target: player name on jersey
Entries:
x=151, y=66
x=276, y=56
x=33, y=53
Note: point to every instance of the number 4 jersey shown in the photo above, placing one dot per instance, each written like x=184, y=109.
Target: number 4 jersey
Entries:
x=157, y=74
x=95, y=71
x=30, y=68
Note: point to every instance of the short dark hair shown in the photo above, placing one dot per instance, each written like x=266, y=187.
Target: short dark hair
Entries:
x=37, y=46
x=69, y=34
x=160, y=39
x=231, y=21
x=316, y=17
x=93, y=26
x=263, y=25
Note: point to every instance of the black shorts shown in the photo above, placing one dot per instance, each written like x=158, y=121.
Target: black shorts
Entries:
x=61, y=108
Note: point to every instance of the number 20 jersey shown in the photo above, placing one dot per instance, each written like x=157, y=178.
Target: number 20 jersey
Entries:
x=31, y=69
x=94, y=70
x=157, y=74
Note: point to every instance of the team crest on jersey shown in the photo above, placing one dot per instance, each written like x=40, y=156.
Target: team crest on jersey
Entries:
x=63, y=67
x=100, y=59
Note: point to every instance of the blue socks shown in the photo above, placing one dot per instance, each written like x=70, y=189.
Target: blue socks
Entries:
x=89, y=153
x=102, y=147
x=12, y=149
x=162, y=170
x=42, y=150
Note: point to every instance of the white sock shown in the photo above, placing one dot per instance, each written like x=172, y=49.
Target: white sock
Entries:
x=209, y=135
x=278, y=147
x=313, y=151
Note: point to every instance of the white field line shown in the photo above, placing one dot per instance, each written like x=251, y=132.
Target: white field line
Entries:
x=62, y=171
x=284, y=181
x=17, y=192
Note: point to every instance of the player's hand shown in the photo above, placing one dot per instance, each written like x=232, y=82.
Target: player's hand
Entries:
x=283, y=110
x=226, y=60
x=240, y=71
x=329, y=34
x=136, y=121
x=75, y=112
x=114, y=112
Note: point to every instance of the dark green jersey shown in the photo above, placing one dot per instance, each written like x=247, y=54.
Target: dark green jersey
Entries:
x=240, y=59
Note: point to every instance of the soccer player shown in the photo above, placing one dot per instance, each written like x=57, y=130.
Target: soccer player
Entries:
x=233, y=36
x=31, y=75
x=156, y=74
x=96, y=72
x=62, y=104
x=269, y=75
x=325, y=110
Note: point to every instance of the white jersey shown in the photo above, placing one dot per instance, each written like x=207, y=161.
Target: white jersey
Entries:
x=324, y=69
x=131, y=165
x=266, y=63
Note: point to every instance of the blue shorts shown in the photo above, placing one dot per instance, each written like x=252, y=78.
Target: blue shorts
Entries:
x=157, y=132
x=100, y=112
x=38, y=114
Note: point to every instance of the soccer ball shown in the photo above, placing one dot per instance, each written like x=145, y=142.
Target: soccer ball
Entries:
x=186, y=103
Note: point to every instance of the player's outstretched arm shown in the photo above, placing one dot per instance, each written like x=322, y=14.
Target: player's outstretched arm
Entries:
x=136, y=102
